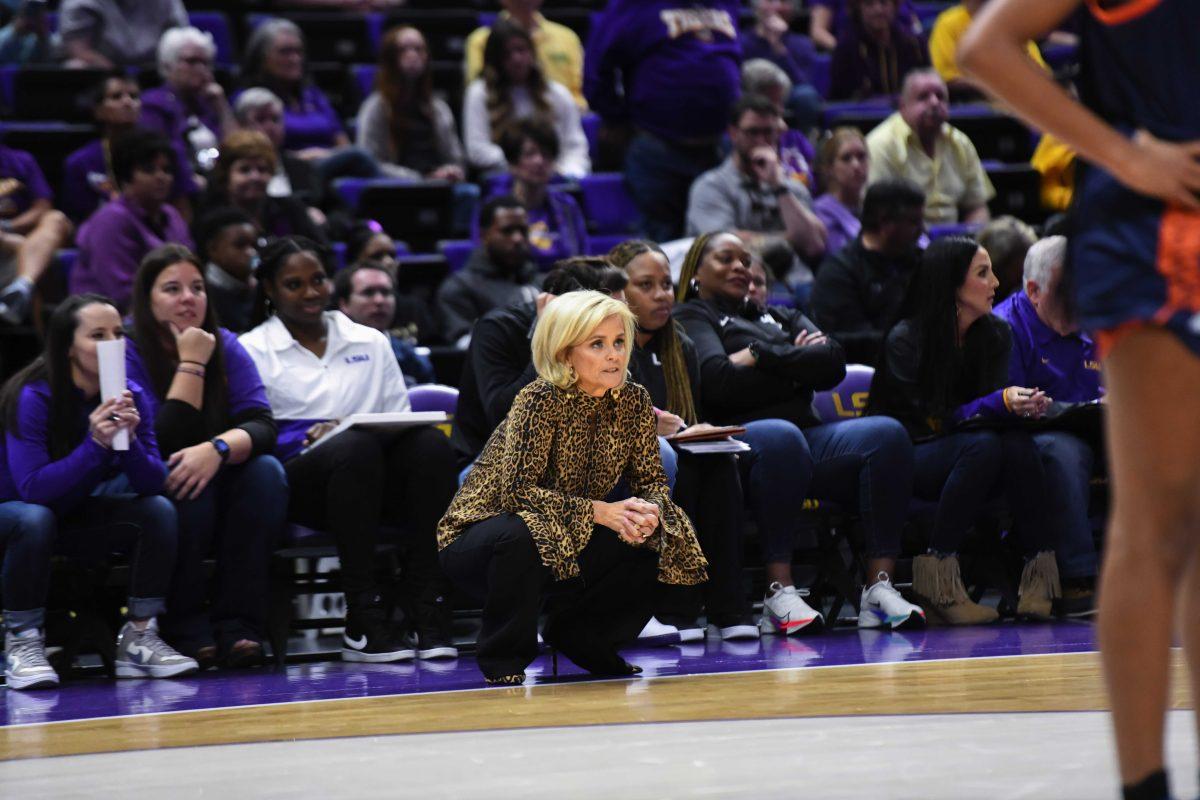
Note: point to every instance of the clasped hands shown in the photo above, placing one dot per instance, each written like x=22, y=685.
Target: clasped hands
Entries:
x=634, y=520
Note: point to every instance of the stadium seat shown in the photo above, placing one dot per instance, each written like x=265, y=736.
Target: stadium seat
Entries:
x=216, y=24
x=848, y=399
x=47, y=93
x=364, y=78
x=445, y=29
x=819, y=73
x=996, y=135
x=601, y=243
x=861, y=114
x=48, y=142
x=434, y=397
x=456, y=252
x=1018, y=192
x=333, y=36
x=954, y=229
x=607, y=204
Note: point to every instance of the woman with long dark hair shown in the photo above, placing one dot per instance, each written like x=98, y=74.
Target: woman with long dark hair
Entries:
x=214, y=426
x=760, y=370
x=708, y=488
x=59, y=453
x=944, y=375
x=409, y=131
x=320, y=367
x=512, y=87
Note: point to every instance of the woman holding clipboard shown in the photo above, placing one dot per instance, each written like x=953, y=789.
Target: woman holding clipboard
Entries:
x=60, y=454
x=320, y=367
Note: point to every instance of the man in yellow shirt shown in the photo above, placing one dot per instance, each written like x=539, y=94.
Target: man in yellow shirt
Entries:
x=559, y=51
x=948, y=30
x=918, y=143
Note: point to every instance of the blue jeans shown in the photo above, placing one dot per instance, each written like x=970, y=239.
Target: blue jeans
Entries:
x=27, y=540
x=866, y=462
x=1068, y=461
x=963, y=471
x=659, y=175
x=238, y=519
x=122, y=523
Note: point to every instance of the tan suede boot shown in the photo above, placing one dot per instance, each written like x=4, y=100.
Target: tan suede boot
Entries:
x=939, y=587
x=1039, y=587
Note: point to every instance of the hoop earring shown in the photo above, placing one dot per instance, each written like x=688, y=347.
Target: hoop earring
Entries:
x=694, y=287
x=572, y=374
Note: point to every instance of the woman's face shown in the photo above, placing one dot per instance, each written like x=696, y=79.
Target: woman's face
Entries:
x=978, y=289
x=192, y=70
x=412, y=55
x=600, y=360
x=650, y=293
x=284, y=60
x=178, y=299
x=877, y=15
x=300, y=291
x=150, y=184
x=518, y=60
x=267, y=120
x=758, y=285
x=534, y=165
x=725, y=270
x=248, y=179
x=849, y=169
x=121, y=104
x=98, y=322
x=381, y=250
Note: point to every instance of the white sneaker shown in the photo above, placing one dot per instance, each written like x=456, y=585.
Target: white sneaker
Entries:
x=658, y=633
x=25, y=665
x=143, y=654
x=784, y=611
x=883, y=606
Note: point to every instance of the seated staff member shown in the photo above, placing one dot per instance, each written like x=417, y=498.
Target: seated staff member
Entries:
x=366, y=293
x=58, y=453
x=319, y=367
x=708, y=488
x=946, y=363
x=214, y=426
x=532, y=513
x=761, y=371
x=499, y=364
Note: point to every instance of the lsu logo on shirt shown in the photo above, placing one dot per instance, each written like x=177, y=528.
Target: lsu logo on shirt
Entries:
x=702, y=22
x=357, y=358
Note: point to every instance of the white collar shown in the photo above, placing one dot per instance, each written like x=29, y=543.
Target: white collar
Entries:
x=340, y=330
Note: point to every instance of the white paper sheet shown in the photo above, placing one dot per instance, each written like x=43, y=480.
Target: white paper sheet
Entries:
x=111, y=355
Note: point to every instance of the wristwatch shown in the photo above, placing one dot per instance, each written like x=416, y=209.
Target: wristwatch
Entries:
x=753, y=348
x=221, y=446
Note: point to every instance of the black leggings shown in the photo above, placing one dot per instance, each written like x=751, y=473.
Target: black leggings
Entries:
x=360, y=479
x=496, y=561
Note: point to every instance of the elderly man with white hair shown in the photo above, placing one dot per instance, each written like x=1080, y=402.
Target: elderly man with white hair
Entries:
x=1051, y=353
x=190, y=107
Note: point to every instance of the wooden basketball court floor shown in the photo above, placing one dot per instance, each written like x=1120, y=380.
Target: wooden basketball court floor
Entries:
x=1005, y=711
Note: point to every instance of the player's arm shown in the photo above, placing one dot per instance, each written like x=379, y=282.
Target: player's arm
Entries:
x=993, y=54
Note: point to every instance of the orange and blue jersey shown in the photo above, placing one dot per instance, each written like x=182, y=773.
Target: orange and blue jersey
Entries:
x=1136, y=260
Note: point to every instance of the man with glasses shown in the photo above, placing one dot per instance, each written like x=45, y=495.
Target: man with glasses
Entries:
x=750, y=193
x=366, y=293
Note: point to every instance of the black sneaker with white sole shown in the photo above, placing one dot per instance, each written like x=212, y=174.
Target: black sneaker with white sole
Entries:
x=370, y=638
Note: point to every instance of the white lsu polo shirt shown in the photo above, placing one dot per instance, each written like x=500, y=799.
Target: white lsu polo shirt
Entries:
x=358, y=373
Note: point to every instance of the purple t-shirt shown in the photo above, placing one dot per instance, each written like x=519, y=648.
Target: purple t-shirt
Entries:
x=113, y=242
x=165, y=112
x=1064, y=367
x=796, y=61
x=556, y=230
x=797, y=155
x=243, y=385
x=312, y=122
x=905, y=13
x=842, y=225
x=678, y=61
x=21, y=182
x=28, y=473
x=87, y=184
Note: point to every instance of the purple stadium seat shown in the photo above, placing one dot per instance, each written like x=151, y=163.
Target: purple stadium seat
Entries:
x=434, y=397
x=819, y=73
x=591, y=130
x=364, y=79
x=849, y=398
x=456, y=252
x=216, y=24
x=607, y=203
x=954, y=229
x=600, y=243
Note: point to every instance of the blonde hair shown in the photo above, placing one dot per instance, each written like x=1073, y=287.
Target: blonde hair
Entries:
x=567, y=321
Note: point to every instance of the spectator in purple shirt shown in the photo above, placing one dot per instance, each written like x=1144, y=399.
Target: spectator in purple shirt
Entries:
x=190, y=107
x=874, y=54
x=88, y=180
x=59, y=454
x=842, y=167
x=1051, y=353
x=771, y=39
x=30, y=232
x=114, y=240
x=830, y=18
x=214, y=426
x=944, y=375
x=663, y=75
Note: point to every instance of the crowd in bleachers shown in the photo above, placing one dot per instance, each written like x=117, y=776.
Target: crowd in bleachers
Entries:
x=297, y=211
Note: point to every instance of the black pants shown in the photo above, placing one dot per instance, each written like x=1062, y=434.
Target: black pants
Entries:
x=497, y=562
x=708, y=489
x=360, y=479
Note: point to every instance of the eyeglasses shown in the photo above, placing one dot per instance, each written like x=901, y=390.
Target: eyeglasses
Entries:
x=197, y=61
x=759, y=133
x=375, y=291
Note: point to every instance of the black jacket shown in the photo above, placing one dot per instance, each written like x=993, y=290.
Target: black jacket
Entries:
x=479, y=287
x=647, y=369
x=499, y=365
x=781, y=384
x=857, y=297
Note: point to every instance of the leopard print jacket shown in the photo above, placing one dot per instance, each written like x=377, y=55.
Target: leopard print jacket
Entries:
x=555, y=452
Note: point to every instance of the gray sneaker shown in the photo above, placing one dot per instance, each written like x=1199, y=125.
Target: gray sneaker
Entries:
x=25, y=665
x=143, y=654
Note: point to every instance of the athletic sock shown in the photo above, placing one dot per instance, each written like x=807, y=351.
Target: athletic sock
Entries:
x=1152, y=787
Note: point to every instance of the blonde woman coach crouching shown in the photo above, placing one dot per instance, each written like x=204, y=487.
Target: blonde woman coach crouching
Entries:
x=532, y=519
